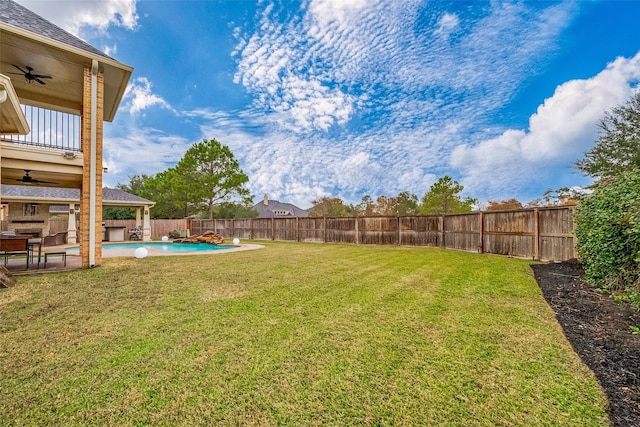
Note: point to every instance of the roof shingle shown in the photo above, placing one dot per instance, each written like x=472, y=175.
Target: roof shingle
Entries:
x=13, y=14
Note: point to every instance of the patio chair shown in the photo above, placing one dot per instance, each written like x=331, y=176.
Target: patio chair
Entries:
x=57, y=239
x=136, y=233
x=14, y=247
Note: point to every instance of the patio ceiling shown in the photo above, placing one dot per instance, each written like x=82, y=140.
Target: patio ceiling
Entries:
x=65, y=64
x=12, y=120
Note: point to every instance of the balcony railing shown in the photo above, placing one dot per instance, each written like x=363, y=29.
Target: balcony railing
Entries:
x=49, y=129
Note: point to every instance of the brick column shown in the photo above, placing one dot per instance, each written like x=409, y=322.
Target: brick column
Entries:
x=88, y=129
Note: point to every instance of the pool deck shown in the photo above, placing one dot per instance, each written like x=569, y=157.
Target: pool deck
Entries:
x=17, y=266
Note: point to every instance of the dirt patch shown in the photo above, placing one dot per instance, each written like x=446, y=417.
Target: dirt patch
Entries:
x=598, y=328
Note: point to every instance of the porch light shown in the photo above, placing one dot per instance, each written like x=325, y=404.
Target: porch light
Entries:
x=3, y=95
x=69, y=155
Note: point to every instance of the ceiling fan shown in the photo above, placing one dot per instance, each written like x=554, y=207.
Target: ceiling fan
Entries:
x=28, y=179
x=29, y=76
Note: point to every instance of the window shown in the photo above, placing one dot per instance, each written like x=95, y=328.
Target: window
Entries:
x=30, y=209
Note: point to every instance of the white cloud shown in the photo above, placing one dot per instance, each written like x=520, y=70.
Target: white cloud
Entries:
x=376, y=63
x=446, y=25
x=141, y=151
x=74, y=15
x=138, y=97
x=560, y=131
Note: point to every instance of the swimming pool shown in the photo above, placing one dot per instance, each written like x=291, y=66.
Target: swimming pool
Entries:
x=165, y=247
x=169, y=247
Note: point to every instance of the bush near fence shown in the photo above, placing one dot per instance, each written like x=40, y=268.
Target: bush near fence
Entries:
x=545, y=234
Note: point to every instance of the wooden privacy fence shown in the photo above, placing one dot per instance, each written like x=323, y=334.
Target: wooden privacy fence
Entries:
x=546, y=233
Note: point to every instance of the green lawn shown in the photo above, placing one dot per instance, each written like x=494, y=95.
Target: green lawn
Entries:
x=293, y=334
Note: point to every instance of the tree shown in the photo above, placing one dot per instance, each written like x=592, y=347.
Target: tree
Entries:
x=166, y=190
x=504, y=205
x=617, y=148
x=561, y=197
x=366, y=207
x=406, y=203
x=115, y=212
x=135, y=185
x=385, y=206
x=209, y=174
x=326, y=206
x=444, y=197
x=235, y=210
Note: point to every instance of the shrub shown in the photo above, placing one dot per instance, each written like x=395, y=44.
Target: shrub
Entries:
x=608, y=232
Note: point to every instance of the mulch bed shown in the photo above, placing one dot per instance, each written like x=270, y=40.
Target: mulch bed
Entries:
x=598, y=328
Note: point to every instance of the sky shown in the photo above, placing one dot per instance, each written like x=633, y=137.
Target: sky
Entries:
x=346, y=98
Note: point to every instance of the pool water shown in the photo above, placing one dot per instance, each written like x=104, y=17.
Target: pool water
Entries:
x=166, y=247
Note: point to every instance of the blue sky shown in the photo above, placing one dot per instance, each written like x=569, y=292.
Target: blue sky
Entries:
x=351, y=97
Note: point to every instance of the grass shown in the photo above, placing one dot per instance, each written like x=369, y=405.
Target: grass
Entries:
x=294, y=334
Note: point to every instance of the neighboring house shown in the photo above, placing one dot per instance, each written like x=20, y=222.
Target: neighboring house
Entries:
x=28, y=209
x=275, y=209
x=55, y=92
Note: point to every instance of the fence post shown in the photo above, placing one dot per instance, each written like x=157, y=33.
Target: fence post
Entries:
x=297, y=229
x=251, y=228
x=443, y=244
x=399, y=235
x=324, y=229
x=273, y=228
x=357, y=230
x=536, y=234
x=481, y=232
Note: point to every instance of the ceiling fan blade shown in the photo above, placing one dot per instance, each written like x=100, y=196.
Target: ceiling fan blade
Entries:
x=41, y=76
x=23, y=71
x=39, y=81
x=37, y=181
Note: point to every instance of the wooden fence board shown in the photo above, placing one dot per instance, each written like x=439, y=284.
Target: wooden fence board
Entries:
x=311, y=229
x=378, y=230
x=557, y=241
x=462, y=232
x=340, y=230
x=510, y=233
x=421, y=230
x=285, y=229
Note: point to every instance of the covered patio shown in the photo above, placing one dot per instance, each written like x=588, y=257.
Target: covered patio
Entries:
x=27, y=211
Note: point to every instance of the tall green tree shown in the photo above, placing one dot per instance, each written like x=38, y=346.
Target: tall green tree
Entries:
x=444, y=197
x=617, y=148
x=209, y=174
x=406, y=203
x=135, y=185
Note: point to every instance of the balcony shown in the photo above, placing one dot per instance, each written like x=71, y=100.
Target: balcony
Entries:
x=51, y=151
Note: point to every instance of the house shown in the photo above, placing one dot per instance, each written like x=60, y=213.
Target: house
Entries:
x=28, y=209
x=275, y=209
x=55, y=93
